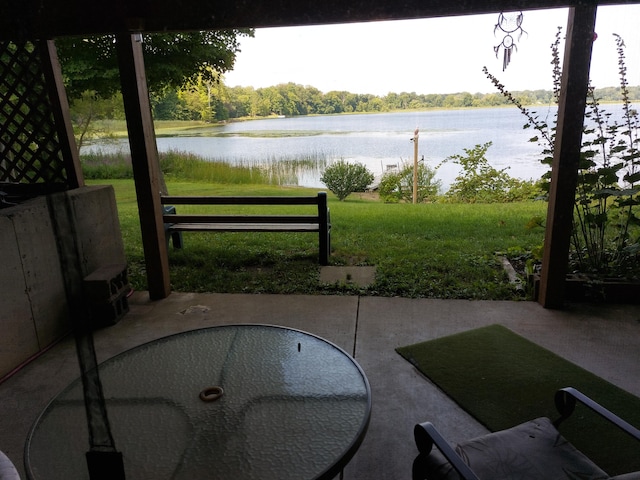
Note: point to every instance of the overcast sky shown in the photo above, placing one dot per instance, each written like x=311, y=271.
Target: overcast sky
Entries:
x=439, y=55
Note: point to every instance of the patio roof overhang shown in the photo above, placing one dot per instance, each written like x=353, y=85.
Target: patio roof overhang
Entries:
x=45, y=19
x=52, y=18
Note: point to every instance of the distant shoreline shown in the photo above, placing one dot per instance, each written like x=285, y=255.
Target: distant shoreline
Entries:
x=116, y=129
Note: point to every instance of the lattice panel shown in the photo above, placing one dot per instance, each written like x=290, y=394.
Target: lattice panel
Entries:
x=29, y=148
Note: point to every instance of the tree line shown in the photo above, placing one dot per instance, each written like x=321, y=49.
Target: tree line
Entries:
x=190, y=86
x=211, y=101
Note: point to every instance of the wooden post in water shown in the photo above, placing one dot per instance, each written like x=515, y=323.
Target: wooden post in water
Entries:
x=415, y=165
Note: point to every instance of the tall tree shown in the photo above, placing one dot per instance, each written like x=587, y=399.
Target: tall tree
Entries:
x=171, y=60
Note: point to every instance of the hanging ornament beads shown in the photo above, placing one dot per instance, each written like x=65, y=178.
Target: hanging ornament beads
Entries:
x=509, y=24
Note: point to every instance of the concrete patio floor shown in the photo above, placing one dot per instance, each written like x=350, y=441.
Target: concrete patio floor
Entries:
x=604, y=339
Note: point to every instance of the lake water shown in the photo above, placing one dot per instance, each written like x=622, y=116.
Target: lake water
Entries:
x=375, y=140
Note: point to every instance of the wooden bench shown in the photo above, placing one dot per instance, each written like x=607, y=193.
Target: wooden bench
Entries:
x=320, y=223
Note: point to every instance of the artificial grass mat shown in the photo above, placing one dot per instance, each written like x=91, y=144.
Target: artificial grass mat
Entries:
x=503, y=379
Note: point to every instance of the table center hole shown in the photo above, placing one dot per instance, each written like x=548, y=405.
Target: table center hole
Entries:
x=211, y=394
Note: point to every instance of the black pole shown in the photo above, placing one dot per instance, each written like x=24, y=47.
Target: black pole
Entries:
x=103, y=461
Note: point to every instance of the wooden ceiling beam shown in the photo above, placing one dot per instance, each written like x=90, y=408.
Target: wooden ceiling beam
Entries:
x=32, y=19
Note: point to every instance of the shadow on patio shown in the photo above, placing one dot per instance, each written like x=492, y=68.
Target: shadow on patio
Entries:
x=604, y=339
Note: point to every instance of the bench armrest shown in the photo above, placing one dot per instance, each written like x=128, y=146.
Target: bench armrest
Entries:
x=566, y=398
x=425, y=435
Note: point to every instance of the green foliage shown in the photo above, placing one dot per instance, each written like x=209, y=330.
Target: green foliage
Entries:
x=605, y=239
x=344, y=178
x=87, y=109
x=193, y=60
x=479, y=182
x=398, y=186
x=91, y=63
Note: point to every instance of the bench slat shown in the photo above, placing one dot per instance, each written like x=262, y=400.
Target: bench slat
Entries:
x=207, y=200
x=244, y=227
x=195, y=218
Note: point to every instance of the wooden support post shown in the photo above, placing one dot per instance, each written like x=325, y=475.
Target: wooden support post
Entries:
x=61, y=114
x=146, y=167
x=415, y=166
x=564, y=173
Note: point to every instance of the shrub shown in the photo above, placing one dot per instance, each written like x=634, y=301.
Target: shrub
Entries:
x=398, y=186
x=479, y=182
x=344, y=178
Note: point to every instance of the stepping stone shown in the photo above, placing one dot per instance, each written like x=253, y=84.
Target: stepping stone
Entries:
x=358, y=276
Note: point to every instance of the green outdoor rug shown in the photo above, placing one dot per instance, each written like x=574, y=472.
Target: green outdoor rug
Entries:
x=503, y=379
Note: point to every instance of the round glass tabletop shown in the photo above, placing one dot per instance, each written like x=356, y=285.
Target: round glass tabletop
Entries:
x=229, y=402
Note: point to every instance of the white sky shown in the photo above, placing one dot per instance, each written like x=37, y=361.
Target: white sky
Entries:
x=438, y=55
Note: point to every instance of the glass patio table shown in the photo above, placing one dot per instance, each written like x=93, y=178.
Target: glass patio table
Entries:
x=229, y=402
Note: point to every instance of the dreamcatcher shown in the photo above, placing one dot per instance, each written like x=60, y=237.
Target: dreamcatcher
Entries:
x=509, y=23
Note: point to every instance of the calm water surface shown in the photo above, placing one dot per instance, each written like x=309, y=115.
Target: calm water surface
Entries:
x=375, y=140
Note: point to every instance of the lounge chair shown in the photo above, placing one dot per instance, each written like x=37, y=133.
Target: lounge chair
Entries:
x=532, y=450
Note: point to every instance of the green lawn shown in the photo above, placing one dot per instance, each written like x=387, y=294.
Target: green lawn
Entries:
x=427, y=250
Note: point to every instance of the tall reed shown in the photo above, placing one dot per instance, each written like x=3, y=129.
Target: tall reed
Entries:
x=101, y=165
x=185, y=166
x=188, y=166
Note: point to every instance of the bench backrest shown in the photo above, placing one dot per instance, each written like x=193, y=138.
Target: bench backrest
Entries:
x=320, y=199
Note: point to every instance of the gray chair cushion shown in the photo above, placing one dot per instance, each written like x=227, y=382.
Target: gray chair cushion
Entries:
x=533, y=450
